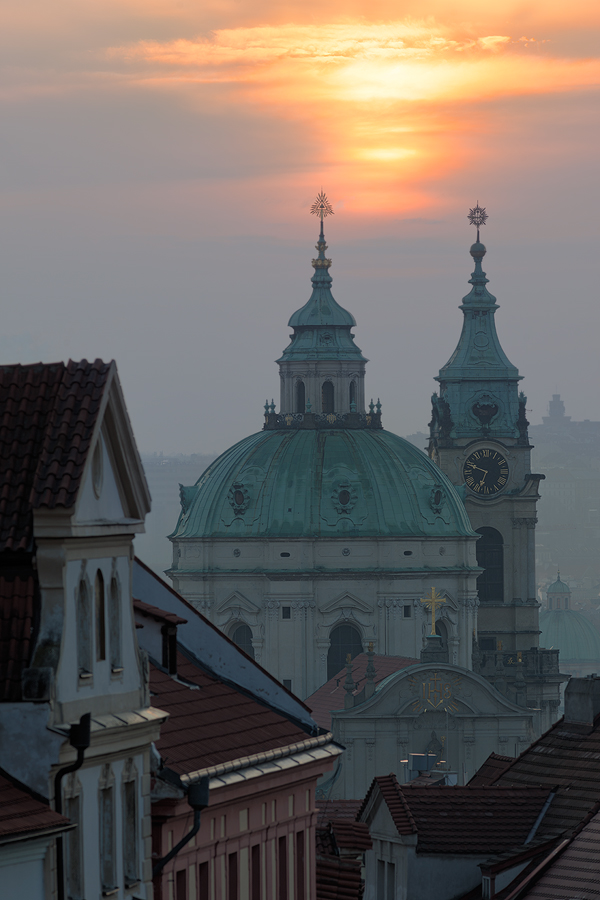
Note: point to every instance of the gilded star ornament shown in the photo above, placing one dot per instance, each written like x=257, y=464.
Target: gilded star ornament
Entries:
x=477, y=216
x=322, y=207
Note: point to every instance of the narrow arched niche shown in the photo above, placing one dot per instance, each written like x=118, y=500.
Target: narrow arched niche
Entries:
x=327, y=397
x=300, y=397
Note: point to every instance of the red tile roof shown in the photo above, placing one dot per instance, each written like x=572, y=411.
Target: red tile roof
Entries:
x=461, y=819
x=159, y=614
x=491, y=769
x=351, y=835
x=215, y=724
x=565, y=757
x=18, y=609
x=575, y=872
x=338, y=879
x=22, y=811
x=47, y=418
x=338, y=809
x=331, y=695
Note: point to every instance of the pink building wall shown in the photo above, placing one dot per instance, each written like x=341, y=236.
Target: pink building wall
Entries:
x=256, y=839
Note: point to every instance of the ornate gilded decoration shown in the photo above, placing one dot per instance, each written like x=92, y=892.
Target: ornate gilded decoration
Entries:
x=322, y=207
x=435, y=690
x=477, y=217
x=432, y=603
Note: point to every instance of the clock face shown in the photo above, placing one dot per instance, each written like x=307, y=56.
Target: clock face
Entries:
x=485, y=472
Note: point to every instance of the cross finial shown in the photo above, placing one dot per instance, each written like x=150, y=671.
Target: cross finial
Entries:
x=432, y=603
x=477, y=217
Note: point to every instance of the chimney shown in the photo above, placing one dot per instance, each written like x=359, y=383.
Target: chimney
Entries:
x=582, y=700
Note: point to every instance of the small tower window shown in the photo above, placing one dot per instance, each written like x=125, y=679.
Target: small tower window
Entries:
x=490, y=556
x=558, y=602
x=345, y=641
x=242, y=636
x=549, y=602
x=327, y=397
x=353, y=396
x=566, y=602
x=300, y=397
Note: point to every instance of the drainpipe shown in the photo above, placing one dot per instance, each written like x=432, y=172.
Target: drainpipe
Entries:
x=79, y=737
x=197, y=796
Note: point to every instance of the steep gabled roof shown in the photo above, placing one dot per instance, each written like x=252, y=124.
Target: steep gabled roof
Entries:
x=48, y=413
x=24, y=813
x=462, y=819
x=566, y=757
x=18, y=615
x=575, y=872
x=214, y=724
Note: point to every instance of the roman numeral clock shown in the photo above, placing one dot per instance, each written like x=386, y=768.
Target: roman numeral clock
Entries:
x=478, y=437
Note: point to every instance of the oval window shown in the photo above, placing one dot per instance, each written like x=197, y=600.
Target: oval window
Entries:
x=344, y=497
x=284, y=554
x=238, y=498
x=437, y=498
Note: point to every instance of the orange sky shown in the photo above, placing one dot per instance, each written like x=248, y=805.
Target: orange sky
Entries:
x=159, y=158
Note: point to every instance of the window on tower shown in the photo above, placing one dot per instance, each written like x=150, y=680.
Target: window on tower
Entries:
x=345, y=641
x=490, y=556
x=327, y=397
x=300, y=397
x=353, y=395
x=242, y=636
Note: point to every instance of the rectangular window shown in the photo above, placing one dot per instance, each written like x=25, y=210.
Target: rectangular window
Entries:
x=300, y=866
x=487, y=644
x=72, y=845
x=107, y=839
x=203, y=881
x=181, y=885
x=287, y=683
x=407, y=611
x=232, y=886
x=391, y=882
x=286, y=612
x=255, y=874
x=130, y=857
x=380, y=880
x=282, y=866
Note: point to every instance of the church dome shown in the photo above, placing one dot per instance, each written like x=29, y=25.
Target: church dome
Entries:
x=329, y=482
x=570, y=632
x=559, y=587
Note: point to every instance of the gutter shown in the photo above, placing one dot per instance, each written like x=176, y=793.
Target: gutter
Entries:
x=258, y=759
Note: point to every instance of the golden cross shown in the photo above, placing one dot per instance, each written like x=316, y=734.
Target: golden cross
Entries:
x=432, y=603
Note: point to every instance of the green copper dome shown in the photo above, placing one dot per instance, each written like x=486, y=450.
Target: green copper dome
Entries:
x=559, y=587
x=322, y=483
x=570, y=632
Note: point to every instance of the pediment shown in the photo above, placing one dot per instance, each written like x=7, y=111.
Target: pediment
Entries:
x=346, y=601
x=238, y=601
x=436, y=689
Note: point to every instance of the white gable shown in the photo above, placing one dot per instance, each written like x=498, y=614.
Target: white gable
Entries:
x=100, y=496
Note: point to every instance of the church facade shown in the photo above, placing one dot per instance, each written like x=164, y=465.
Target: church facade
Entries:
x=323, y=532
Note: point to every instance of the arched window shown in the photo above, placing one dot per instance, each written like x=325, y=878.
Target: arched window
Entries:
x=558, y=602
x=327, y=397
x=300, y=397
x=442, y=631
x=114, y=625
x=344, y=640
x=490, y=556
x=242, y=636
x=84, y=628
x=566, y=602
x=100, y=617
x=549, y=602
x=352, y=397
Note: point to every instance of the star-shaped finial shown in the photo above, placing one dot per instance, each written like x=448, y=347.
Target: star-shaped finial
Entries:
x=477, y=217
x=322, y=207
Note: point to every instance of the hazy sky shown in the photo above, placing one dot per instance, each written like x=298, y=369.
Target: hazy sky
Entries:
x=158, y=160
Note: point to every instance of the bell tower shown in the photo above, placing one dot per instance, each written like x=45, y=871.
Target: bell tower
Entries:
x=479, y=438
x=322, y=370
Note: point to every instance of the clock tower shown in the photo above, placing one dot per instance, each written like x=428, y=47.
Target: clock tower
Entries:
x=478, y=437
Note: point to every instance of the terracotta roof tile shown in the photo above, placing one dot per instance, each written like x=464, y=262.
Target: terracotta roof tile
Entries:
x=576, y=872
x=22, y=811
x=47, y=418
x=331, y=695
x=19, y=604
x=351, y=835
x=215, y=724
x=337, y=809
x=159, y=614
x=461, y=819
x=567, y=757
x=491, y=769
